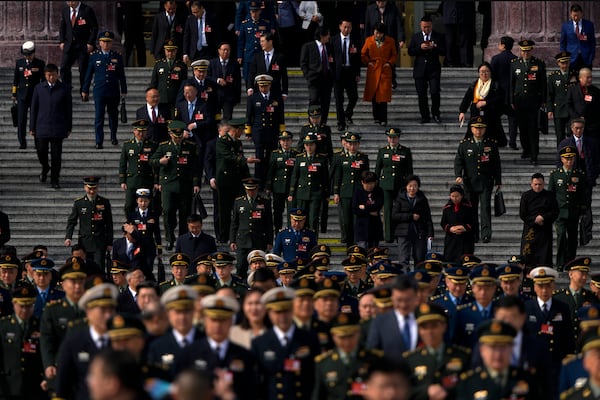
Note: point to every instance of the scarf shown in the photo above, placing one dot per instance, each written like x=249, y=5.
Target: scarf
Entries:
x=457, y=207
x=481, y=90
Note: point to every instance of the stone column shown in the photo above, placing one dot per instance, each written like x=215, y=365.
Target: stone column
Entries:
x=540, y=21
x=39, y=21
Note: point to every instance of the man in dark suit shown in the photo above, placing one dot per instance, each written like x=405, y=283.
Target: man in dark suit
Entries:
x=51, y=122
x=501, y=73
x=385, y=333
x=577, y=36
x=459, y=28
x=276, y=68
x=226, y=73
x=427, y=47
x=133, y=249
x=215, y=350
x=168, y=24
x=346, y=53
x=583, y=101
x=157, y=116
x=166, y=349
x=199, y=34
x=127, y=299
x=551, y=319
x=316, y=59
x=77, y=36
x=285, y=353
x=195, y=242
x=84, y=341
x=29, y=71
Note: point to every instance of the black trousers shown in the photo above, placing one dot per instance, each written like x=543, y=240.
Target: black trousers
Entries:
x=527, y=118
x=55, y=145
x=433, y=84
x=319, y=92
x=135, y=38
x=68, y=59
x=347, y=82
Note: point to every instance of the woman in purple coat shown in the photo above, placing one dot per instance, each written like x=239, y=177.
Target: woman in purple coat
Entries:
x=457, y=222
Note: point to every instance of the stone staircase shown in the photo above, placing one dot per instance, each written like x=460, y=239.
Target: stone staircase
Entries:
x=38, y=213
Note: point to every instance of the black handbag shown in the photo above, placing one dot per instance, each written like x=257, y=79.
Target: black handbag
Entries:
x=198, y=206
x=14, y=112
x=499, y=206
x=123, y=111
x=543, y=121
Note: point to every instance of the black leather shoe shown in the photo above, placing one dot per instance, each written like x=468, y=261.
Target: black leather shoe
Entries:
x=437, y=119
x=169, y=246
x=23, y=146
x=43, y=176
x=533, y=161
x=513, y=146
x=341, y=127
x=383, y=123
x=486, y=239
x=55, y=186
x=523, y=156
x=349, y=120
x=425, y=120
x=99, y=146
x=115, y=142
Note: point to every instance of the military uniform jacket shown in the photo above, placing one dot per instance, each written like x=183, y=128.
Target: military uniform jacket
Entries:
x=393, y=166
x=56, y=320
x=252, y=225
x=528, y=83
x=286, y=372
x=26, y=76
x=53, y=294
x=21, y=372
x=238, y=285
x=109, y=74
x=167, y=79
x=478, y=164
x=586, y=298
x=290, y=243
x=428, y=370
x=148, y=226
x=347, y=173
x=337, y=380
x=249, y=39
x=570, y=190
x=265, y=116
x=181, y=173
x=349, y=290
x=239, y=361
x=280, y=170
x=324, y=143
x=581, y=393
x=558, y=85
x=231, y=165
x=556, y=329
x=477, y=384
x=310, y=179
x=164, y=351
x=134, y=164
x=468, y=318
x=95, y=223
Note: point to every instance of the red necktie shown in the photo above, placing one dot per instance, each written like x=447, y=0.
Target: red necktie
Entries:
x=153, y=115
x=577, y=30
x=73, y=17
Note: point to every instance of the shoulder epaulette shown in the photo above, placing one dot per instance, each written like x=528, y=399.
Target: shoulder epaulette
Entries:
x=513, y=60
x=80, y=198
x=377, y=352
x=244, y=21
x=567, y=393
x=323, y=356
x=240, y=198
x=436, y=297
x=408, y=353
x=464, y=140
x=463, y=348
x=463, y=306
x=569, y=358
x=165, y=142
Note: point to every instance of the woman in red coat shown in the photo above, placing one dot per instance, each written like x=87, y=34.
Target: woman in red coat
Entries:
x=379, y=54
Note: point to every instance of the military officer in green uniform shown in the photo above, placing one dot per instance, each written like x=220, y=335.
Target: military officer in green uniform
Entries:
x=21, y=370
x=528, y=88
x=558, y=84
x=353, y=285
x=177, y=163
x=477, y=166
x=346, y=180
x=251, y=225
x=496, y=379
x=231, y=168
x=95, y=222
x=568, y=184
x=310, y=181
x=223, y=266
x=135, y=171
x=179, y=269
x=279, y=175
x=59, y=316
x=341, y=373
x=394, y=164
x=576, y=295
x=591, y=359
x=436, y=366
x=168, y=74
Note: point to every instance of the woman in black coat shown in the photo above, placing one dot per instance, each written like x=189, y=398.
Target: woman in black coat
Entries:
x=485, y=97
x=367, y=203
x=457, y=222
x=411, y=218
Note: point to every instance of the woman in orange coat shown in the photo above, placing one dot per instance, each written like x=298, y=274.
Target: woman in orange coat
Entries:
x=379, y=54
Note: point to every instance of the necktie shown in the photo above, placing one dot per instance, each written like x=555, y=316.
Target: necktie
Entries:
x=324, y=63
x=580, y=148
x=102, y=342
x=284, y=341
x=144, y=214
x=406, y=333
x=184, y=343
x=153, y=115
x=267, y=60
x=130, y=251
x=577, y=29
x=200, y=44
x=345, y=51
x=170, y=19
x=223, y=68
x=499, y=380
x=44, y=296
x=485, y=313
x=190, y=110
x=73, y=16
x=576, y=297
x=545, y=310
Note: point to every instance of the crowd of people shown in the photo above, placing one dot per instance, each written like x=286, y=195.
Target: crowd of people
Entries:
x=258, y=310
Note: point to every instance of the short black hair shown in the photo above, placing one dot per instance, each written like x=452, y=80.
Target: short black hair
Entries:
x=405, y=282
x=77, y=247
x=510, y=302
x=193, y=218
x=426, y=18
x=51, y=68
x=537, y=175
x=388, y=366
x=576, y=8
x=124, y=366
x=380, y=27
x=268, y=36
x=413, y=178
x=507, y=41
x=368, y=176
x=148, y=285
x=321, y=32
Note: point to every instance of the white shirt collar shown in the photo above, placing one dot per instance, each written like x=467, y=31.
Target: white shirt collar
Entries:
x=413, y=327
x=222, y=346
x=96, y=336
x=281, y=334
x=516, y=351
x=189, y=337
x=133, y=294
x=548, y=303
